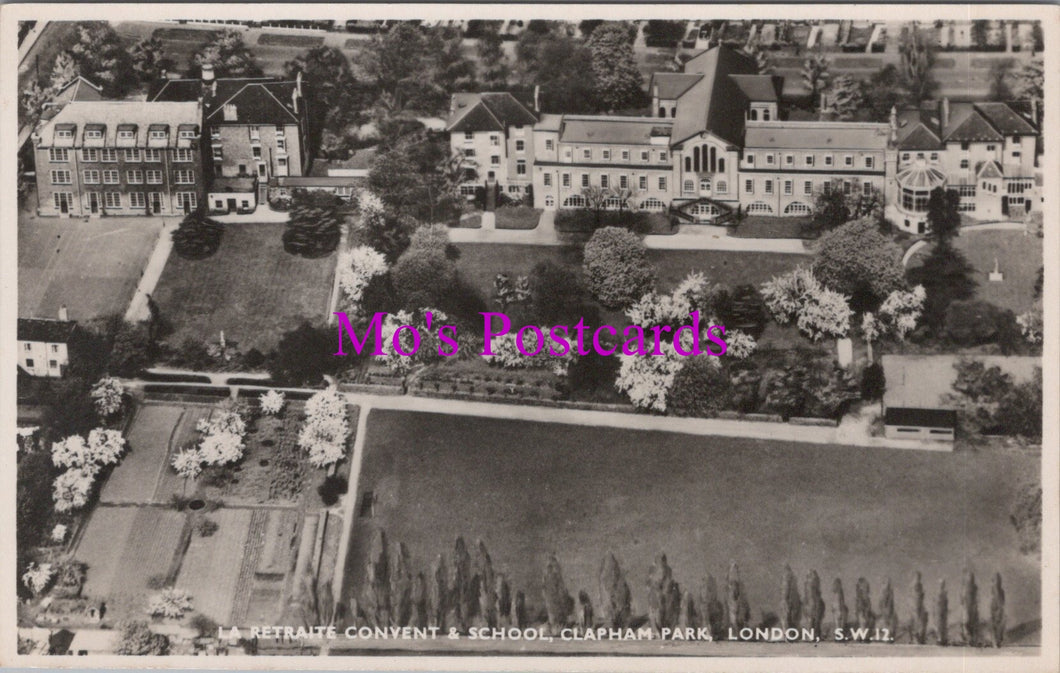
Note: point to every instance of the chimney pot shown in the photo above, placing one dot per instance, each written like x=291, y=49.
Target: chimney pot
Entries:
x=63, y=313
x=207, y=72
x=945, y=112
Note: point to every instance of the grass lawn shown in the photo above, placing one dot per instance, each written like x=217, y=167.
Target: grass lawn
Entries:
x=479, y=263
x=91, y=266
x=518, y=217
x=285, y=40
x=250, y=288
x=530, y=489
x=766, y=226
x=211, y=568
x=721, y=266
x=136, y=478
x=123, y=548
x=1018, y=257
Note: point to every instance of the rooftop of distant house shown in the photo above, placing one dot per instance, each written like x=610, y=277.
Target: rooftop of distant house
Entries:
x=356, y=163
x=929, y=128
x=110, y=117
x=923, y=381
x=816, y=135
x=236, y=100
x=488, y=111
x=45, y=330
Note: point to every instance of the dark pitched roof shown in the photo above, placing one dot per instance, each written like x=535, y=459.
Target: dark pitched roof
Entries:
x=966, y=124
x=258, y=100
x=671, y=85
x=48, y=331
x=79, y=88
x=924, y=418
x=715, y=103
x=759, y=87
x=1005, y=119
x=616, y=130
x=489, y=111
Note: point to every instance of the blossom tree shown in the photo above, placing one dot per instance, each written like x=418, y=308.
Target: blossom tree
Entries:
x=223, y=422
x=171, y=603
x=108, y=394
x=105, y=446
x=798, y=297
x=326, y=428
x=71, y=489
x=901, y=310
x=425, y=353
x=188, y=464
x=38, y=577
x=272, y=402
x=739, y=345
x=221, y=448
x=1030, y=324
x=506, y=354
x=357, y=268
x=73, y=453
x=647, y=379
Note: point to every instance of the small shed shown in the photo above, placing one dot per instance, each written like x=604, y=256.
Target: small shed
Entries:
x=919, y=423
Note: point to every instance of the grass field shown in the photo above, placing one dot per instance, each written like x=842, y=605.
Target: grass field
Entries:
x=210, y=571
x=91, y=266
x=1018, y=257
x=136, y=478
x=285, y=40
x=124, y=547
x=530, y=489
x=766, y=226
x=250, y=288
x=518, y=217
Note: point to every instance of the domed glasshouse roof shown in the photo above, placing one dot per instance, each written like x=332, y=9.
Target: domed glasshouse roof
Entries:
x=920, y=176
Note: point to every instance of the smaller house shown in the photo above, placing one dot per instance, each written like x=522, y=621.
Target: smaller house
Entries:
x=915, y=423
x=43, y=345
x=341, y=177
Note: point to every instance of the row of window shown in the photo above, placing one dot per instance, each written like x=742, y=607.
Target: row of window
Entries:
x=94, y=176
x=809, y=160
x=605, y=181
x=788, y=186
x=29, y=346
x=123, y=134
x=137, y=200
x=607, y=154
x=52, y=364
x=110, y=155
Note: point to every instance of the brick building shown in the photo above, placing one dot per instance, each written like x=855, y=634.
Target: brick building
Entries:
x=101, y=157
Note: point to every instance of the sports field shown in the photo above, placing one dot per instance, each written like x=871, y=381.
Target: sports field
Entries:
x=530, y=489
x=90, y=266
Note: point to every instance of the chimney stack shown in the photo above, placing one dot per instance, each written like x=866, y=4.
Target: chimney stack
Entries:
x=207, y=73
x=294, y=100
x=64, y=315
x=537, y=99
x=945, y=114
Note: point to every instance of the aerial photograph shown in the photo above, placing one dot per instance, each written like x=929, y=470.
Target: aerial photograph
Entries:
x=546, y=338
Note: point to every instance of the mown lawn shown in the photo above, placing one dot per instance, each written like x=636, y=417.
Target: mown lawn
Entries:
x=518, y=217
x=250, y=288
x=530, y=489
x=771, y=226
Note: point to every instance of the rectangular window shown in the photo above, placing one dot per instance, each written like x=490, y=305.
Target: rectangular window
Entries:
x=64, y=133
x=769, y=159
x=29, y=362
x=158, y=135
x=109, y=155
x=186, y=200
x=186, y=177
x=623, y=182
x=642, y=182
x=281, y=145
x=828, y=160
x=218, y=153
x=1015, y=140
x=549, y=144
x=495, y=160
x=664, y=156
x=750, y=160
x=566, y=180
x=186, y=134
x=605, y=181
x=134, y=177
x=184, y=155
x=153, y=155
x=112, y=199
x=1015, y=154
x=749, y=186
x=934, y=156
x=520, y=167
x=495, y=140
x=990, y=148
x=53, y=364
x=89, y=177
x=788, y=188
x=848, y=160
x=126, y=135
x=110, y=177
x=520, y=145
x=587, y=153
x=62, y=199
x=662, y=183
x=58, y=154
x=131, y=154
x=93, y=134
x=807, y=187
x=966, y=190
x=585, y=179
x=154, y=177
x=645, y=156
x=869, y=162
x=768, y=186
x=470, y=153
x=964, y=163
x=905, y=156
x=469, y=136
x=55, y=348
x=136, y=200
x=27, y=347
x=547, y=179
x=809, y=160
x=255, y=152
x=91, y=155
x=789, y=160
x=625, y=155
x=606, y=155
x=866, y=187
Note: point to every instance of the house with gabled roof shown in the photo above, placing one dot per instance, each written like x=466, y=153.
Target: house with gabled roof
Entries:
x=43, y=345
x=984, y=151
x=493, y=133
x=257, y=130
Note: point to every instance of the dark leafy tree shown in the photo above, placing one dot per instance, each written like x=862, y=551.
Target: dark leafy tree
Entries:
x=99, y=55
x=615, y=597
x=917, y=59
x=401, y=586
x=492, y=62
x=882, y=92
x=856, y=260
x=198, y=236
x=304, y=355
x=830, y=209
x=376, y=602
x=33, y=508
x=461, y=589
x=863, y=614
x=132, y=350
x=558, y=602
x=228, y=55
x=919, y=623
x=737, y=609
x=149, y=59
x=840, y=612
x=711, y=607
x=453, y=70
x=943, y=218
x=424, y=274
x=616, y=267
x=942, y=615
x=1000, y=75
x=397, y=62
x=815, y=76
x=947, y=276
x=997, y=611
x=556, y=294
x=584, y=615
x=658, y=33
x=315, y=225
x=700, y=388
x=873, y=383
x=562, y=68
x=438, y=599
x=136, y=638
x=618, y=79
x=664, y=596
x=790, y=601
x=888, y=617
x=814, y=602
x=486, y=584
x=969, y=609
x=975, y=322
x=588, y=26
x=741, y=308
x=336, y=101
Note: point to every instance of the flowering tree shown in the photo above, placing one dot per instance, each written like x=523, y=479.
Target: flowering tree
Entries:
x=356, y=269
x=784, y=295
x=506, y=354
x=739, y=345
x=71, y=488
x=428, y=343
x=1030, y=324
x=73, y=453
x=58, y=533
x=223, y=422
x=900, y=311
x=326, y=428
x=108, y=395
x=817, y=311
x=272, y=402
x=692, y=294
x=221, y=448
x=105, y=446
x=170, y=603
x=188, y=464
x=647, y=379
x=38, y=577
